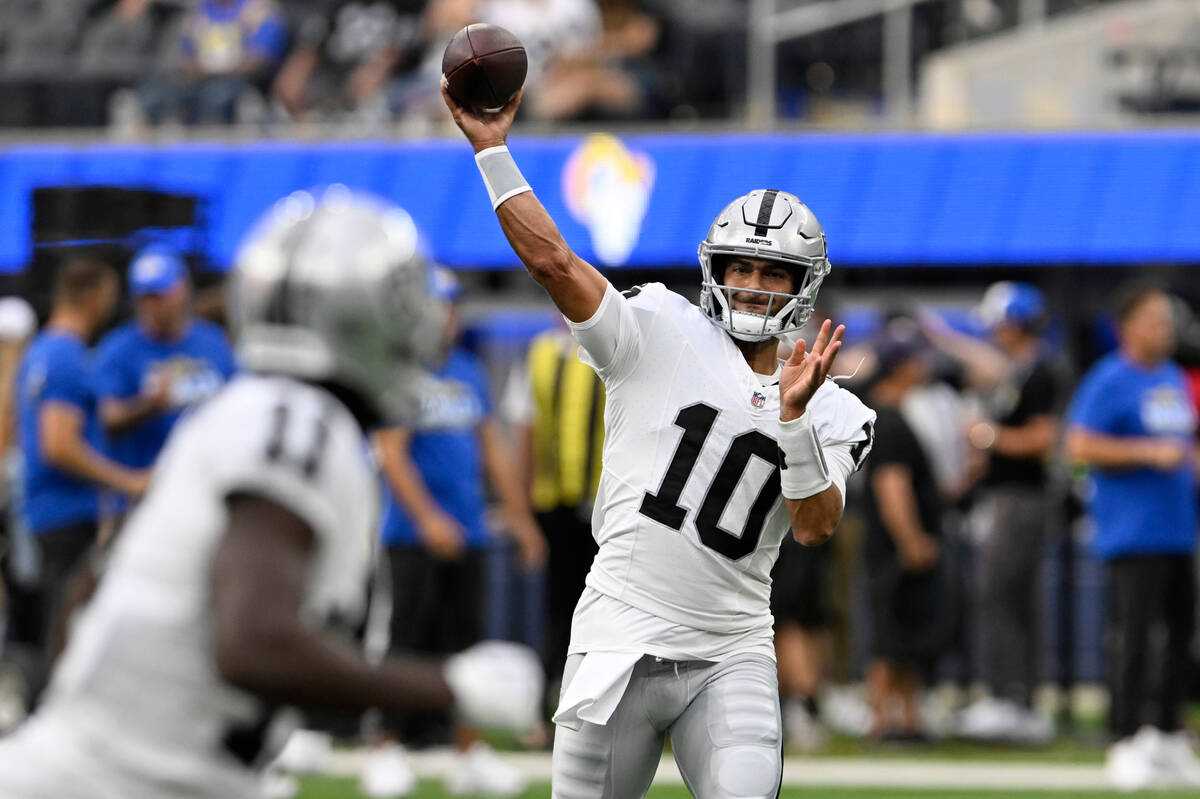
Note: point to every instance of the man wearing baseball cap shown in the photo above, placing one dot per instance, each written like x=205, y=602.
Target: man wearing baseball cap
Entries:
x=154, y=367
x=1016, y=437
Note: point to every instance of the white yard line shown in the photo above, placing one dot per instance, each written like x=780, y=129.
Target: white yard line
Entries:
x=827, y=771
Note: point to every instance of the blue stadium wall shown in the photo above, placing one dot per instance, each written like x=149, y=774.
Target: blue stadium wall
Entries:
x=903, y=199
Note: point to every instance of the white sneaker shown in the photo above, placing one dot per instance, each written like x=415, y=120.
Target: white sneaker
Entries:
x=803, y=731
x=1036, y=729
x=306, y=752
x=387, y=774
x=1174, y=759
x=478, y=771
x=1128, y=766
x=991, y=719
x=845, y=711
x=275, y=784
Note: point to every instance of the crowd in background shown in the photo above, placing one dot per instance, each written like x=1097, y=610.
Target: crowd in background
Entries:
x=985, y=439
x=133, y=64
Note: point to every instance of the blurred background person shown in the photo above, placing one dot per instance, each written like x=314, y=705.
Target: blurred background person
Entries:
x=800, y=605
x=228, y=50
x=61, y=437
x=906, y=586
x=588, y=59
x=435, y=535
x=1133, y=424
x=1015, y=506
x=556, y=403
x=613, y=78
x=150, y=370
x=343, y=54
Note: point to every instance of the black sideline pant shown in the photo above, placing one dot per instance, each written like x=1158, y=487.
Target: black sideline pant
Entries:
x=1151, y=606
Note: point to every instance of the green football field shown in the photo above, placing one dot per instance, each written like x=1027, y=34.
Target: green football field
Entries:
x=333, y=788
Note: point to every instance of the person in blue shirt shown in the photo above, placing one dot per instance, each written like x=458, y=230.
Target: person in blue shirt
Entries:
x=435, y=532
x=228, y=48
x=150, y=370
x=60, y=436
x=1133, y=423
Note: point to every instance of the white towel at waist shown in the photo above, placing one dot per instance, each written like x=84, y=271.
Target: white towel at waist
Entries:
x=596, y=688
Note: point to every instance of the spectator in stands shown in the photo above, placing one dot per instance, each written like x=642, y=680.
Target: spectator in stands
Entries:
x=613, y=77
x=228, y=48
x=1018, y=437
x=1132, y=422
x=344, y=51
x=556, y=403
x=435, y=534
x=153, y=368
x=120, y=42
x=59, y=432
x=586, y=57
x=904, y=507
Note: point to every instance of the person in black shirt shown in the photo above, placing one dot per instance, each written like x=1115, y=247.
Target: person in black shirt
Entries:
x=1017, y=438
x=344, y=51
x=902, y=549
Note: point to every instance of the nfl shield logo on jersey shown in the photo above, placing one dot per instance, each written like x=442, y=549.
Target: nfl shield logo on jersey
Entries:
x=758, y=400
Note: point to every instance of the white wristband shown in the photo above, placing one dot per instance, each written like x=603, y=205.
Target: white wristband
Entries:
x=802, y=468
x=500, y=174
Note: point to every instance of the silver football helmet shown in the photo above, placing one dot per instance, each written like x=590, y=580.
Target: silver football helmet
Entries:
x=766, y=224
x=333, y=287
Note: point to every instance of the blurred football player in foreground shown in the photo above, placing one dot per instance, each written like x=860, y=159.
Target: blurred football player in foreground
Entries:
x=219, y=603
x=713, y=448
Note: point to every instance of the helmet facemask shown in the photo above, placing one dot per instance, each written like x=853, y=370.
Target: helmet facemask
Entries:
x=785, y=312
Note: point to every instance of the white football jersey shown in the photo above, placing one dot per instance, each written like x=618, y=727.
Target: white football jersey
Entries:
x=136, y=708
x=689, y=515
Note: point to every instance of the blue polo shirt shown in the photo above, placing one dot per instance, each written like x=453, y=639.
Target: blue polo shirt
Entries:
x=445, y=449
x=55, y=368
x=198, y=364
x=1140, y=511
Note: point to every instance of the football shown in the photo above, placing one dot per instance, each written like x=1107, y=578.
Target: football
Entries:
x=484, y=66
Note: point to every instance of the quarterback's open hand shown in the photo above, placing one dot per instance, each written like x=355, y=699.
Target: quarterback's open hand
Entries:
x=804, y=373
x=482, y=129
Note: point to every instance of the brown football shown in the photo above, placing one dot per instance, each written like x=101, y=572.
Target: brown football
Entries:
x=484, y=66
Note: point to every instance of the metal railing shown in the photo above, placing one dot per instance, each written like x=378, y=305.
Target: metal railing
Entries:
x=770, y=26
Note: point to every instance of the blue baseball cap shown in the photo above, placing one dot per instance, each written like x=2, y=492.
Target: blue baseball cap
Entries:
x=156, y=269
x=1008, y=301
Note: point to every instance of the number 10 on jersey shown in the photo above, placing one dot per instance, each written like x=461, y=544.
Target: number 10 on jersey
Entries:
x=663, y=506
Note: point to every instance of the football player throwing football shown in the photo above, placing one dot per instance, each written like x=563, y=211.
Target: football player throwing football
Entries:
x=713, y=449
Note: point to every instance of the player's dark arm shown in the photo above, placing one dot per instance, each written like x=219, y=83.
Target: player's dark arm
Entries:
x=262, y=646
x=815, y=518
x=62, y=445
x=574, y=285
